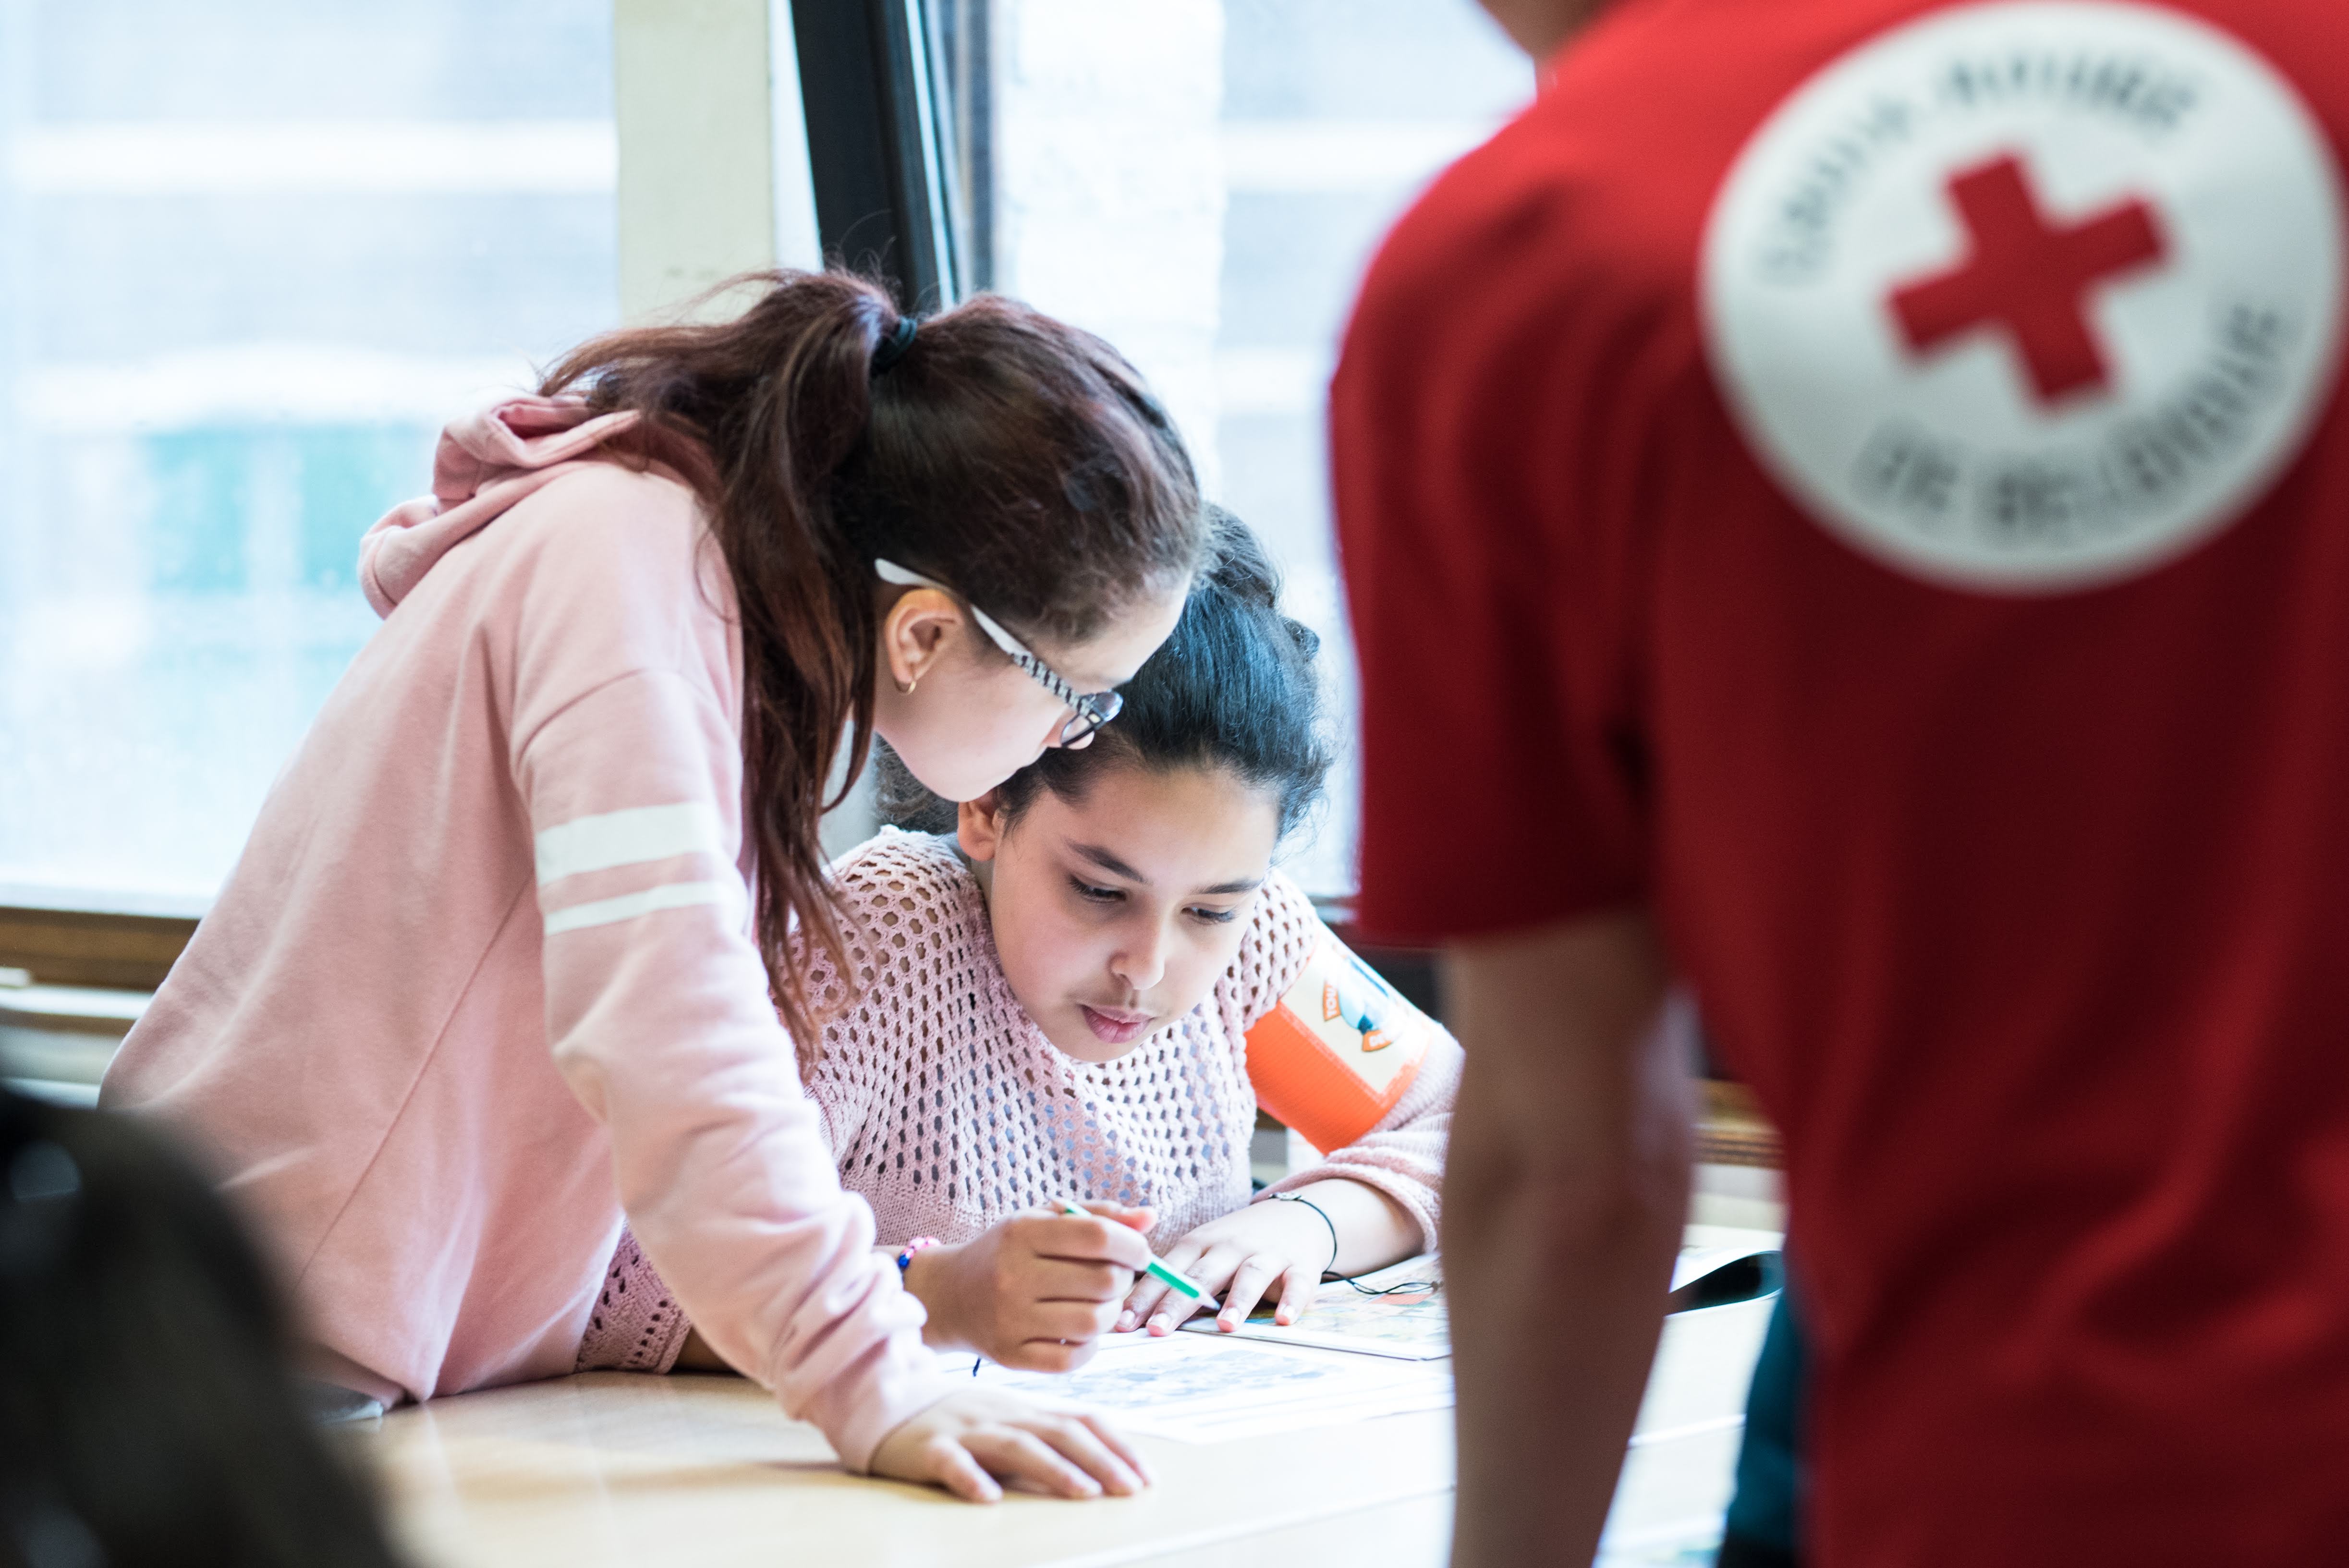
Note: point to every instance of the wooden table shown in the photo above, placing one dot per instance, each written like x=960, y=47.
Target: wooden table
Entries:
x=622, y=1471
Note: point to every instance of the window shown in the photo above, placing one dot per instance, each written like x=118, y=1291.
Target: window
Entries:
x=1202, y=181
x=253, y=254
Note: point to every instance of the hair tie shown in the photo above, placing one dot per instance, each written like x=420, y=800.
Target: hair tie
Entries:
x=894, y=344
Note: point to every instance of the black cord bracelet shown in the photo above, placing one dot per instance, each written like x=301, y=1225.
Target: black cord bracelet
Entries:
x=1294, y=1198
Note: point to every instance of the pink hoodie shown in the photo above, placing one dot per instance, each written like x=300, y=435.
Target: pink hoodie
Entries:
x=483, y=976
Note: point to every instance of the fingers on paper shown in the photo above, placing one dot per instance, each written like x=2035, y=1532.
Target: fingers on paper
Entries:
x=1164, y=1308
x=1248, y=1282
x=1298, y=1287
x=1139, y=1303
x=1174, y=1312
x=1148, y=1294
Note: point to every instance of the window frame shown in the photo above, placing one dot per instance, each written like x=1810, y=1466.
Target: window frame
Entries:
x=719, y=173
x=879, y=149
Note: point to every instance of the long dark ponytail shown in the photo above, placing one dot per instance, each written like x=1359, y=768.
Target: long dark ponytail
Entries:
x=1007, y=454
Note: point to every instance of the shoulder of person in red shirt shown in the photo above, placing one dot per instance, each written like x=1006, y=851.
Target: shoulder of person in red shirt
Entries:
x=1522, y=382
x=1514, y=342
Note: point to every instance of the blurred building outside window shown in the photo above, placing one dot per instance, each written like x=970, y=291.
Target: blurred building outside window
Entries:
x=251, y=256
x=1202, y=182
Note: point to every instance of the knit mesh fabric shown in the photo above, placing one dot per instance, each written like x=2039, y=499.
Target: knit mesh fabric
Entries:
x=635, y=1326
x=950, y=1112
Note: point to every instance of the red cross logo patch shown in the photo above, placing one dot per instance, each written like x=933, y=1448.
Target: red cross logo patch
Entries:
x=2027, y=276
x=2031, y=296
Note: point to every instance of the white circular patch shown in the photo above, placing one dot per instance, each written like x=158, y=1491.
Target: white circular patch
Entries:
x=2026, y=297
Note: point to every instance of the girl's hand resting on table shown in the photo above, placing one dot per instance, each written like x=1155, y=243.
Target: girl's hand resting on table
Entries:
x=1240, y=1258
x=1035, y=1291
x=966, y=1440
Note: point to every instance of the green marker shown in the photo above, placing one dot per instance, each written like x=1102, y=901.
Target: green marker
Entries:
x=1162, y=1271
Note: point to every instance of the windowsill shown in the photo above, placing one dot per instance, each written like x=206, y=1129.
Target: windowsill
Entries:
x=55, y=1058
x=63, y=1036
x=56, y=1093
x=55, y=900
x=57, y=945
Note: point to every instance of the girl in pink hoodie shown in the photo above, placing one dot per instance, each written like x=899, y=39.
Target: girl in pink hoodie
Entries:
x=511, y=945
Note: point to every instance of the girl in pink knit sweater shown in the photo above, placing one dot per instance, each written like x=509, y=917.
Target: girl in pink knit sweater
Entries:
x=1066, y=998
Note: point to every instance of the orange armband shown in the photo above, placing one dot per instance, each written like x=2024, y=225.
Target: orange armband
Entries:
x=1337, y=1053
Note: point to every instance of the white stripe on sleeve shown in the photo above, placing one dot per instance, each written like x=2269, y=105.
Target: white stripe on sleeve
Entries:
x=628, y=838
x=628, y=906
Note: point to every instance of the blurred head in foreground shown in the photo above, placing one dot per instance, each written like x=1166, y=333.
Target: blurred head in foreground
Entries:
x=149, y=1410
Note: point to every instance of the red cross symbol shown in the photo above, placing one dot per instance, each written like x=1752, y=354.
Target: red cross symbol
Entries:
x=2028, y=276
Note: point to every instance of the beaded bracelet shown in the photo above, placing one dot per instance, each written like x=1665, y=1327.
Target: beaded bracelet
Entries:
x=1294, y=1198
x=906, y=1258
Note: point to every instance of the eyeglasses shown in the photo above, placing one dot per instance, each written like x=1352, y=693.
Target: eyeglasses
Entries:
x=1092, y=710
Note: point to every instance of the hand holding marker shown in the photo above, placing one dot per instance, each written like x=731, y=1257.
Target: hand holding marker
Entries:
x=1162, y=1271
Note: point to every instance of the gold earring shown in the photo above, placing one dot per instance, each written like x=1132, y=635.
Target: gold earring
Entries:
x=906, y=687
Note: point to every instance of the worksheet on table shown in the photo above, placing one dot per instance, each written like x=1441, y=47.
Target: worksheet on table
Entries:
x=1212, y=1387
x=1400, y=1312
x=1397, y=1312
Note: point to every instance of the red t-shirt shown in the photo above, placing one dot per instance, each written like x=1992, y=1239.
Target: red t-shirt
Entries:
x=1867, y=480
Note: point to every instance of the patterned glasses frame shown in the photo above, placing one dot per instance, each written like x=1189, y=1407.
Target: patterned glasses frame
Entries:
x=1092, y=710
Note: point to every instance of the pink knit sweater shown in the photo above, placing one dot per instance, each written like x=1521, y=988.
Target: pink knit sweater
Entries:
x=950, y=1112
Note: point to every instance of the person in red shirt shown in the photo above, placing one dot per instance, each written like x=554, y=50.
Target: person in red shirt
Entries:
x=1845, y=508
